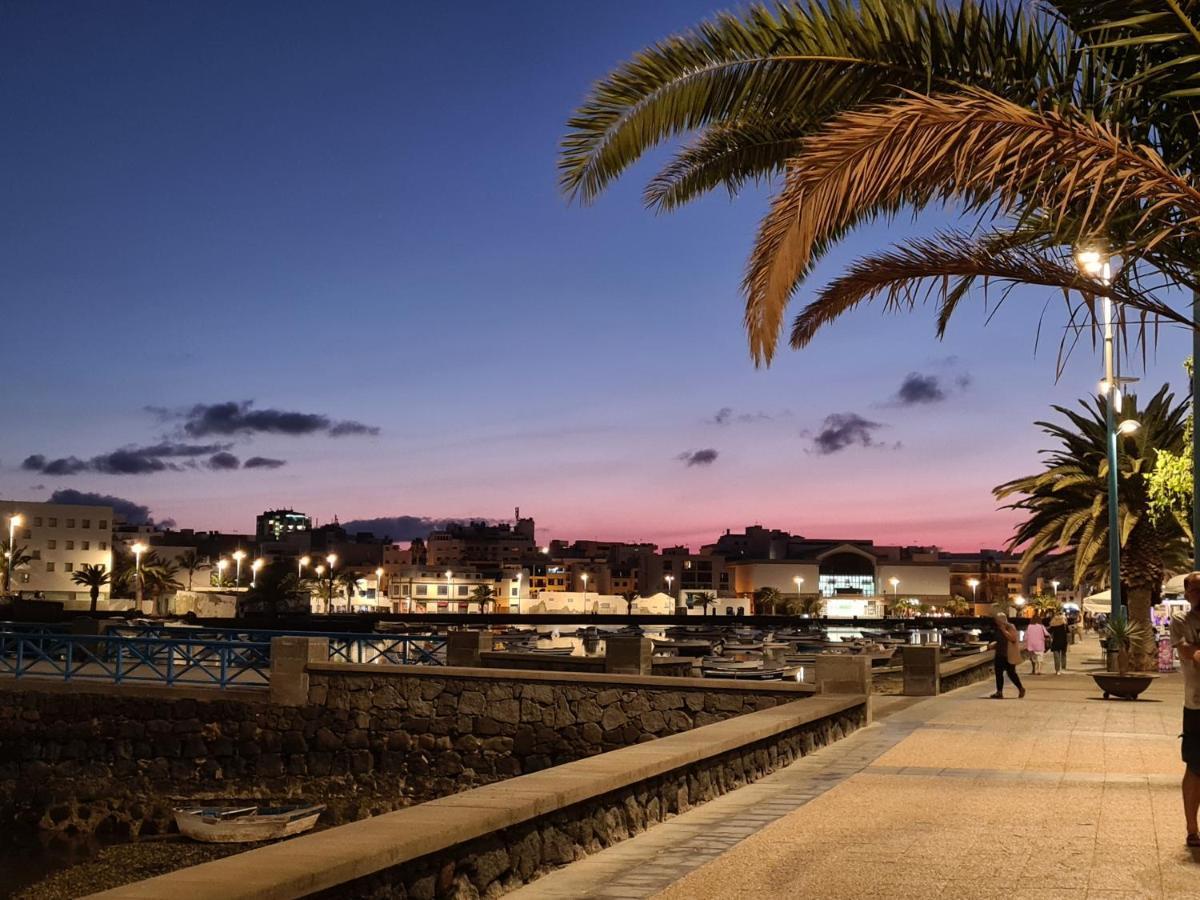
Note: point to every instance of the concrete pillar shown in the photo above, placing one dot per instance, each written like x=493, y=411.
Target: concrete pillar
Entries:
x=843, y=673
x=290, y=657
x=626, y=654
x=922, y=670
x=463, y=647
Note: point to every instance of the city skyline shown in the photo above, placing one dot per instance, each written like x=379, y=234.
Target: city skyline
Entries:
x=340, y=277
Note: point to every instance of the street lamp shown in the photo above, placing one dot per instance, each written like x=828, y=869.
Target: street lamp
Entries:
x=799, y=581
x=449, y=586
x=254, y=567
x=1054, y=584
x=379, y=582
x=300, y=564
x=14, y=522
x=138, y=549
x=584, y=576
x=973, y=584
x=1094, y=263
x=238, y=556
x=332, y=560
x=222, y=564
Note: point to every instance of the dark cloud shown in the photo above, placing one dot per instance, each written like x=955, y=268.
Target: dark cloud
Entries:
x=159, y=457
x=705, y=457
x=230, y=418
x=133, y=513
x=223, y=461
x=726, y=415
x=917, y=389
x=263, y=462
x=842, y=430
x=401, y=528
x=37, y=487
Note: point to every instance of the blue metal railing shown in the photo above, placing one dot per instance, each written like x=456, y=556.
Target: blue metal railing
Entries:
x=116, y=659
x=367, y=648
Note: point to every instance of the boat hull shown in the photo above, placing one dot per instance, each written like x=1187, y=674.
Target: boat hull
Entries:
x=215, y=829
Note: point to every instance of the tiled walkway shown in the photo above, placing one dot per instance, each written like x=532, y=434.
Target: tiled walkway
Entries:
x=1059, y=795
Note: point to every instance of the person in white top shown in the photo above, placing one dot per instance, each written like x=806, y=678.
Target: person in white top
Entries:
x=1185, y=637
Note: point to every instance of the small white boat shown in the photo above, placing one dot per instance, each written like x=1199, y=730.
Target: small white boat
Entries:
x=242, y=824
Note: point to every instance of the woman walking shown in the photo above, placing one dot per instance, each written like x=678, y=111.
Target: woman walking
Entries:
x=1036, y=637
x=1008, y=654
x=1058, y=642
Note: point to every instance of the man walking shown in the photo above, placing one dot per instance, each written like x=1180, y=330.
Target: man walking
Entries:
x=1008, y=654
x=1185, y=637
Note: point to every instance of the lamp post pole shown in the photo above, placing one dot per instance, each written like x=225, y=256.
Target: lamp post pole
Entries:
x=13, y=521
x=1110, y=424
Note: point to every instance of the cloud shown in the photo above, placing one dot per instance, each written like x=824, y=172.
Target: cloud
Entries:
x=402, y=528
x=917, y=389
x=232, y=418
x=159, y=457
x=726, y=415
x=37, y=487
x=263, y=462
x=223, y=461
x=705, y=457
x=842, y=430
x=133, y=513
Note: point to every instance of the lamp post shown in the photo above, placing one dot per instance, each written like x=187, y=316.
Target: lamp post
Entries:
x=670, y=578
x=14, y=522
x=300, y=564
x=799, y=581
x=584, y=576
x=378, y=584
x=254, y=567
x=332, y=560
x=222, y=565
x=1054, y=584
x=138, y=549
x=449, y=587
x=973, y=584
x=1094, y=263
x=238, y=556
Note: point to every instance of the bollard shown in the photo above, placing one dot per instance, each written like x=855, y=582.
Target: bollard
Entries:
x=843, y=673
x=922, y=670
x=290, y=657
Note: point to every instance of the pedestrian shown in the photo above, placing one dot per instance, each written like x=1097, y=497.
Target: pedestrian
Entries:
x=1008, y=654
x=1058, y=642
x=1036, y=638
x=1185, y=636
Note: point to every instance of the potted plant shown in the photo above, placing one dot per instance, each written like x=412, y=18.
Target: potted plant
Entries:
x=1125, y=644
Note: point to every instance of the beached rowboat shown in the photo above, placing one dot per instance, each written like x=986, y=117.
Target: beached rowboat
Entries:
x=241, y=824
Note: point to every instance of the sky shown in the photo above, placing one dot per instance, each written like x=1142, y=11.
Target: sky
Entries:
x=315, y=255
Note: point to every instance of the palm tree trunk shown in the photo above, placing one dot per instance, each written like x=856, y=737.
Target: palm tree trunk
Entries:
x=95, y=592
x=1143, y=569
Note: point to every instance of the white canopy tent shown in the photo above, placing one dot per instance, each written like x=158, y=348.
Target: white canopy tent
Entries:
x=1099, y=602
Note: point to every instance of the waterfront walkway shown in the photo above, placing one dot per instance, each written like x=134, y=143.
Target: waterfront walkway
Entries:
x=1059, y=795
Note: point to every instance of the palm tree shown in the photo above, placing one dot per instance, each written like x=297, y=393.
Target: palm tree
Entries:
x=349, y=582
x=93, y=578
x=1067, y=502
x=159, y=576
x=20, y=558
x=483, y=595
x=276, y=589
x=191, y=564
x=630, y=597
x=957, y=606
x=706, y=598
x=809, y=605
x=1053, y=122
x=766, y=599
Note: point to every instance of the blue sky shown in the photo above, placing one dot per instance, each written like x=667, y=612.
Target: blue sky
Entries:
x=351, y=209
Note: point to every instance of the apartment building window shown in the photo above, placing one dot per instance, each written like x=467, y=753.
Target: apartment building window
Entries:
x=37, y=521
x=443, y=591
x=87, y=523
x=53, y=522
x=51, y=545
x=422, y=590
x=68, y=567
x=49, y=567
x=103, y=524
x=36, y=554
x=70, y=523
x=27, y=534
x=104, y=545
x=85, y=545
x=70, y=545
x=462, y=590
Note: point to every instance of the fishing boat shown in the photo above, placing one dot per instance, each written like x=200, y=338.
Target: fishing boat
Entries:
x=243, y=824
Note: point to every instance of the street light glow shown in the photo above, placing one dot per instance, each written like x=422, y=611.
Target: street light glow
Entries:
x=1129, y=426
x=331, y=559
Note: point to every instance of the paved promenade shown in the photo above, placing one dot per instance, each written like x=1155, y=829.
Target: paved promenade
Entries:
x=1059, y=795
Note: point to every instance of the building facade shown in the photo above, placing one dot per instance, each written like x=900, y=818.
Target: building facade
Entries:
x=59, y=540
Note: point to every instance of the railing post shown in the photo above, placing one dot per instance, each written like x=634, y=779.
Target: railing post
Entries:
x=170, y=663
x=20, y=656
x=120, y=659
x=223, y=653
x=69, y=660
x=290, y=657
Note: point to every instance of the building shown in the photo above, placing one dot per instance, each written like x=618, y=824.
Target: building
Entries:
x=998, y=575
x=481, y=544
x=276, y=524
x=420, y=589
x=59, y=540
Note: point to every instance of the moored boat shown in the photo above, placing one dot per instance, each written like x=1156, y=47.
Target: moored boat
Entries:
x=243, y=824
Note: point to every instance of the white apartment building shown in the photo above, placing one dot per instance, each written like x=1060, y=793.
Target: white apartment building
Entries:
x=61, y=539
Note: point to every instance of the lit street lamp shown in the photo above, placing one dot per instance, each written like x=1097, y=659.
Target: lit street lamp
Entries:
x=1094, y=263
x=14, y=522
x=973, y=584
x=332, y=560
x=300, y=564
x=379, y=582
x=895, y=583
x=449, y=586
x=222, y=564
x=584, y=576
x=1054, y=584
x=238, y=556
x=138, y=549
x=254, y=567
x=799, y=581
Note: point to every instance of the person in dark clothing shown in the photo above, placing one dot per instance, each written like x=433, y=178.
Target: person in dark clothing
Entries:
x=1059, y=636
x=1008, y=654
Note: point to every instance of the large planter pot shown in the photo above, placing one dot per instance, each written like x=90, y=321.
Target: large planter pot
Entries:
x=1127, y=687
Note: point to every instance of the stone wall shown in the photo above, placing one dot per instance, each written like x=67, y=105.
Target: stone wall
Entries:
x=107, y=759
x=504, y=860
x=966, y=670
